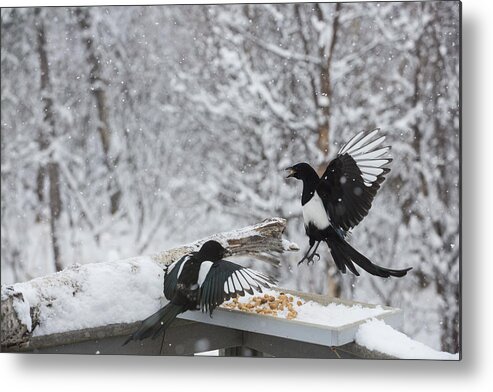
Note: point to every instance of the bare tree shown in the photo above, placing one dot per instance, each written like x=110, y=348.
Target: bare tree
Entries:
x=98, y=87
x=47, y=135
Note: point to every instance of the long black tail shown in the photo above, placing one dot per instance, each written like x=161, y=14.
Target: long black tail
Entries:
x=345, y=255
x=157, y=322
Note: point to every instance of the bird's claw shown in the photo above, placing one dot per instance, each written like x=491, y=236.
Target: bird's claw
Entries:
x=309, y=259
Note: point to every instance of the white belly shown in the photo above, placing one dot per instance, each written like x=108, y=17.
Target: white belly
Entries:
x=314, y=212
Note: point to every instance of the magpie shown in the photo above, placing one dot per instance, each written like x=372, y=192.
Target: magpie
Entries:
x=338, y=201
x=200, y=281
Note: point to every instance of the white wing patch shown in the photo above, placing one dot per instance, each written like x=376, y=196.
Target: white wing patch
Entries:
x=246, y=279
x=372, y=162
x=249, y=276
x=314, y=212
x=350, y=143
x=357, y=142
x=181, y=267
x=227, y=288
x=376, y=171
x=242, y=280
x=236, y=282
x=205, y=267
x=369, y=160
x=172, y=265
x=374, y=154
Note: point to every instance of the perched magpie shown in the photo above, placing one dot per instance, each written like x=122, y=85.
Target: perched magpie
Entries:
x=335, y=203
x=200, y=280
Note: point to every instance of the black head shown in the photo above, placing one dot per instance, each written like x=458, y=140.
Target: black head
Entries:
x=302, y=171
x=212, y=251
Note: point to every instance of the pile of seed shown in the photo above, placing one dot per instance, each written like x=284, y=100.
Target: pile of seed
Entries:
x=267, y=304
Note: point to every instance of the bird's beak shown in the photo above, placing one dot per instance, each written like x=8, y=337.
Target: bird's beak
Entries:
x=291, y=172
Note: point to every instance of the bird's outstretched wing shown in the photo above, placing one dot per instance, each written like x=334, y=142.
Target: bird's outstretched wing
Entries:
x=171, y=276
x=351, y=180
x=227, y=280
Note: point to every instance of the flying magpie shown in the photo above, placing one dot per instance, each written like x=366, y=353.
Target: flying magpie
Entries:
x=341, y=198
x=200, y=280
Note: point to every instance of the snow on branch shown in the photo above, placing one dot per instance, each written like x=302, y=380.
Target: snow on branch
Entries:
x=283, y=53
x=124, y=291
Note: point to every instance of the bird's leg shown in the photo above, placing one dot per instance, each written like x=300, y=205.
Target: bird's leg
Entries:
x=305, y=257
x=313, y=254
x=162, y=344
x=309, y=255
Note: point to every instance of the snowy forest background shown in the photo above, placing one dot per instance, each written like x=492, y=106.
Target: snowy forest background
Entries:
x=128, y=130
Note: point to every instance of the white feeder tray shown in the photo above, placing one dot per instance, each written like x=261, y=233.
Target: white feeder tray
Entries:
x=303, y=331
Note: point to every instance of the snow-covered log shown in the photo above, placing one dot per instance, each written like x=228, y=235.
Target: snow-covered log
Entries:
x=98, y=294
x=259, y=241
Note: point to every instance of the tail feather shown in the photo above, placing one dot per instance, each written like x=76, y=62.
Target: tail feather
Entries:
x=157, y=322
x=341, y=259
x=345, y=255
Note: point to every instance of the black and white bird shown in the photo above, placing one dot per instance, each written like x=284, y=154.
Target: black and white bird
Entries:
x=341, y=198
x=200, y=281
